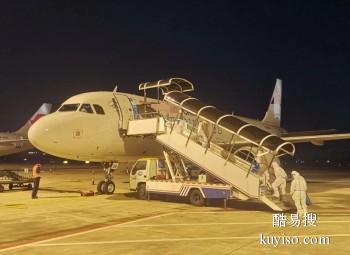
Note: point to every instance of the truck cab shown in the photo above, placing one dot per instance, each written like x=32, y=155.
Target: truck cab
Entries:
x=146, y=169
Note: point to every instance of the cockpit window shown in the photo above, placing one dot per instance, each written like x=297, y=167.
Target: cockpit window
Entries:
x=86, y=108
x=69, y=108
x=98, y=109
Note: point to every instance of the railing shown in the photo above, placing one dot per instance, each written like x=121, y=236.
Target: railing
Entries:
x=146, y=115
x=191, y=135
x=238, y=128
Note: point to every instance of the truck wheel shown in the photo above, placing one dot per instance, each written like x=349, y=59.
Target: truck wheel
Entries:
x=1, y=188
x=196, y=198
x=10, y=186
x=100, y=187
x=108, y=187
x=141, y=191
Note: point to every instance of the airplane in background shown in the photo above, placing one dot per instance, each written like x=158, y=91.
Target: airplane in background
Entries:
x=15, y=142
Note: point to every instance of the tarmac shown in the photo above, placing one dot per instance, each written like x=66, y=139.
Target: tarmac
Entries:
x=63, y=222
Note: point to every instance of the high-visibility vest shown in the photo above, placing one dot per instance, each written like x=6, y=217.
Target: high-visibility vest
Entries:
x=36, y=171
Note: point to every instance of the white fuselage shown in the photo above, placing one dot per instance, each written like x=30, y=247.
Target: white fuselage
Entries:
x=74, y=132
x=14, y=146
x=80, y=135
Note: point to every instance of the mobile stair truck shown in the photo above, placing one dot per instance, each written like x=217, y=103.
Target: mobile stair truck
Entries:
x=229, y=154
x=169, y=176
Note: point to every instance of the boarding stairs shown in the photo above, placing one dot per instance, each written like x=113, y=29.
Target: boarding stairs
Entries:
x=216, y=160
x=283, y=204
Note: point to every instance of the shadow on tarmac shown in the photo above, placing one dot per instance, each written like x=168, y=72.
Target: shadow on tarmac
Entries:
x=231, y=204
x=122, y=196
x=44, y=197
x=59, y=190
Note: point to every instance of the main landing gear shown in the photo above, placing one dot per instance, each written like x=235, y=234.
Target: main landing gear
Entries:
x=107, y=186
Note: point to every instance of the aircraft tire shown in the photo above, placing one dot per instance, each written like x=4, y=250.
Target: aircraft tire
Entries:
x=141, y=191
x=109, y=187
x=101, y=186
x=196, y=198
x=10, y=186
x=1, y=188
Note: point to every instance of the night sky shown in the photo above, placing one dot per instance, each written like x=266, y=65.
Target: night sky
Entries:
x=232, y=51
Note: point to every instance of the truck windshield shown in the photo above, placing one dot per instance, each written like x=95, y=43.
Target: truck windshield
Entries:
x=140, y=165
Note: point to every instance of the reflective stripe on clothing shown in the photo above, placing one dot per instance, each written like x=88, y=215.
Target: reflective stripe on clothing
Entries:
x=36, y=171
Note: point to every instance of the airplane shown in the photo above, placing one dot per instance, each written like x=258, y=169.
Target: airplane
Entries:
x=15, y=142
x=91, y=126
x=85, y=127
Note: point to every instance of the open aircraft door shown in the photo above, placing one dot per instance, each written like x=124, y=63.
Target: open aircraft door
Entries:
x=124, y=109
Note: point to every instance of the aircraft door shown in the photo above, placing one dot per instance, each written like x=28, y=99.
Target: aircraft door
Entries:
x=125, y=109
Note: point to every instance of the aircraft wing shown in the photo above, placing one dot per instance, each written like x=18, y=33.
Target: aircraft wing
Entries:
x=315, y=137
x=5, y=141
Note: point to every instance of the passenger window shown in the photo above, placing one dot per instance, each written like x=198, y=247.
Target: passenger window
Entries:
x=86, y=108
x=140, y=165
x=69, y=108
x=98, y=109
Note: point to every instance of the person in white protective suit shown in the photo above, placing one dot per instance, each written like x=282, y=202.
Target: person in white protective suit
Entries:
x=202, y=133
x=263, y=171
x=280, y=181
x=298, y=190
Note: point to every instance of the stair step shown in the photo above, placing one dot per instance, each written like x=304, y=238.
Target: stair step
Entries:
x=274, y=203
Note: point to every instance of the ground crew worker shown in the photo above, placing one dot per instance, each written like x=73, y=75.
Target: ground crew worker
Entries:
x=263, y=171
x=202, y=132
x=267, y=173
x=280, y=181
x=298, y=189
x=36, y=177
x=266, y=179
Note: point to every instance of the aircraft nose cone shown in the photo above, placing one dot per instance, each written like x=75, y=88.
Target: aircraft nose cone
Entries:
x=40, y=134
x=36, y=133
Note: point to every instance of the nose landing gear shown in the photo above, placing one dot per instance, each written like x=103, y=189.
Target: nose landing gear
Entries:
x=107, y=186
